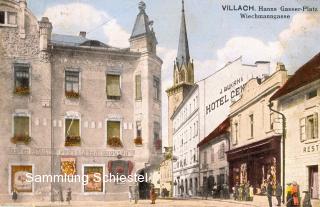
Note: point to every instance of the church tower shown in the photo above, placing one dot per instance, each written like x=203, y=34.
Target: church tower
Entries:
x=183, y=75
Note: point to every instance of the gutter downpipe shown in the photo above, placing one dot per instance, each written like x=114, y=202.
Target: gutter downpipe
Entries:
x=283, y=147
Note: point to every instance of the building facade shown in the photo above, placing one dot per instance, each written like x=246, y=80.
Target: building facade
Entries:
x=255, y=154
x=75, y=106
x=213, y=159
x=185, y=140
x=299, y=101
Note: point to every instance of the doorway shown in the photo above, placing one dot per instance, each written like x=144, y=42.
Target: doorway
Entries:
x=314, y=182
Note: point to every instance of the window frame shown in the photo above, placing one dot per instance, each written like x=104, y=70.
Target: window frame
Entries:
x=21, y=114
x=156, y=90
x=138, y=90
x=79, y=80
x=26, y=67
x=106, y=129
x=251, y=126
x=10, y=176
x=6, y=19
x=113, y=98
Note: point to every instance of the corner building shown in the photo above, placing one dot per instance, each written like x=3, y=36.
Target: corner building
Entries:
x=76, y=106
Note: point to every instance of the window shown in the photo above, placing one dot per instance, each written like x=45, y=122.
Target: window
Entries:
x=156, y=88
x=21, y=129
x=138, y=87
x=8, y=18
x=156, y=135
x=312, y=94
x=113, y=129
x=235, y=133
x=2, y=17
x=139, y=128
x=205, y=157
x=72, y=132
x=271, y=121
x=113, y=87
x=12, y=18
x=114, y=133
x=251, y=125
x=221, y=151
x=72, y=83
x=212, y=154
x=21, y=76
x=309, y=127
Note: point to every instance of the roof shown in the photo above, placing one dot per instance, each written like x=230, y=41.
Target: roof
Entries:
x=67, y=40
x=183, y=56
x=220, y=130
x=306, y=74
x=141, y=26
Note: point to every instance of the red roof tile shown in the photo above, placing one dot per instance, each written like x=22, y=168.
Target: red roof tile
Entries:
x=307, y=73
x=221, y=129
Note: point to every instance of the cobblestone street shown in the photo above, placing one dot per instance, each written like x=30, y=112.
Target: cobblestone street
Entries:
x=259, y=202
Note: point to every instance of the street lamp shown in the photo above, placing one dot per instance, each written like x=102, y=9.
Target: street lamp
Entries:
x=283, y=146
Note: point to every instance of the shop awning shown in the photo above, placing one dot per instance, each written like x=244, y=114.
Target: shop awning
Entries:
x=268, y=144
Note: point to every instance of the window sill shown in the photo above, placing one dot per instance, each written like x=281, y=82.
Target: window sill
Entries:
x=9, y=25
x=113, y=100
x=309, y=141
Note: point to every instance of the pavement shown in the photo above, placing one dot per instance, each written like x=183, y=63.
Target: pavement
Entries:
x=259, y=201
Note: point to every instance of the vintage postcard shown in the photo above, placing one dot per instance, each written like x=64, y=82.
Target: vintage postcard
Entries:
x=160, y=102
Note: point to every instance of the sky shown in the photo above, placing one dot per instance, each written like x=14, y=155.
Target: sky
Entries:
x=215, y=36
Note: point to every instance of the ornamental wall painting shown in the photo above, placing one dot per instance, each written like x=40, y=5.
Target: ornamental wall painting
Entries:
x=68, y=166
x=92, y=185
x=19, y=178
x=120, y=167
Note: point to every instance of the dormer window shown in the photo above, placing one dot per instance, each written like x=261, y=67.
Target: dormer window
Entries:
x=8, y=18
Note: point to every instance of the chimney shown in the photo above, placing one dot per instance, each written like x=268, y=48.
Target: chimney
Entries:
x=82, y=34
x=280, y=66
x=22, y=18
x=45, y=28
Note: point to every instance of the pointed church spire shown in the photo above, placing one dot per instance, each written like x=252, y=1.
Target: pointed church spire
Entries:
x=183, y=56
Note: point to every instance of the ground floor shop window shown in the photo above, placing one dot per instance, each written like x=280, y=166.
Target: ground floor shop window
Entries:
x=19, y=178
x=120, y=167
x=93, y=186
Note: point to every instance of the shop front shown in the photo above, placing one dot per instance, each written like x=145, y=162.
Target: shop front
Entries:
x=255, y=164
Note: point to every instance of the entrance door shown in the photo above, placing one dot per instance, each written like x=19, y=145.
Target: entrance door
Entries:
x=314, y=181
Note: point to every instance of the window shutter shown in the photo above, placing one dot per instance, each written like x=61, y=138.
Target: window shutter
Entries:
x=316, y=131
x=113, y=85
x=138, y=87
x=303, y=129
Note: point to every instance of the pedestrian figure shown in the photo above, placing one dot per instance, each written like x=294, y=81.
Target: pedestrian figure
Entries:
x=240, y=192
x=61, y=194
x=246, y=191
x=68, y=199
x=306, y=200
x=14, y=195
x=153, y=196
x=269, y=193
x=236, y=192
x=130, y=194
x=251, y=193
x=278, y=193
x=295, y=194
x=182, y=190
x=289, y=195
x=136, y=193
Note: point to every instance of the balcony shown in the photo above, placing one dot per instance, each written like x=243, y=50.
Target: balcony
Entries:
x=114, y=142
x=72, y=94
x=138, y=141
x=22, y=90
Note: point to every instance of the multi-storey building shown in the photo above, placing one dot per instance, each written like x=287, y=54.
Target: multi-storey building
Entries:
x=185, y=140
x=213, y=160
x=255, y=154
x=75, y=106
x=299, y=101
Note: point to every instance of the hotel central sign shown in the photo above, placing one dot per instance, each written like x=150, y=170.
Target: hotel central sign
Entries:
x=219, y=90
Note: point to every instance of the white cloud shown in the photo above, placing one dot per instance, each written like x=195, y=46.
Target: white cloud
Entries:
x=75, y=17
x=117, y=36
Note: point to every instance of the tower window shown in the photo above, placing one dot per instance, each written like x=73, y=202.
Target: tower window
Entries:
x=156, y=88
